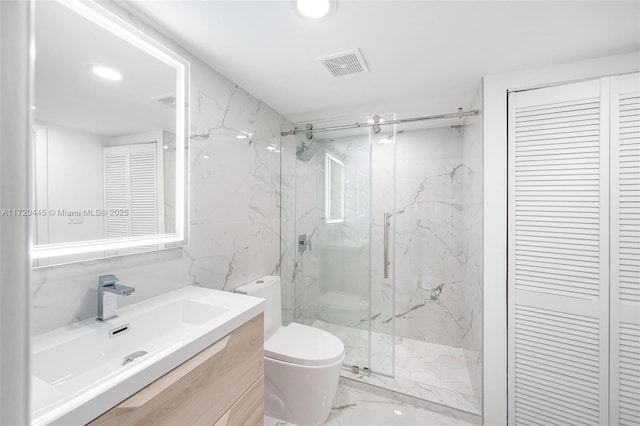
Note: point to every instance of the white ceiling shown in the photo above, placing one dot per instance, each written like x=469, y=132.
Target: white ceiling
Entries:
x=424, y=57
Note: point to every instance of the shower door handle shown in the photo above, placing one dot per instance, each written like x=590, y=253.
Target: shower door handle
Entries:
x=386, y=225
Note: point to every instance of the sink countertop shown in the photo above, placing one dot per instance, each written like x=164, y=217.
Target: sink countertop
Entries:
x=77, y=371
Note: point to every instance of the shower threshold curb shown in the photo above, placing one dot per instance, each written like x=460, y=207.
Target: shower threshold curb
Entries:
x=454, y=404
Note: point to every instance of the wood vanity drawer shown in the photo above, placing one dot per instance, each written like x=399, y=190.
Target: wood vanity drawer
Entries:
x=249, y=410
x=201, y=390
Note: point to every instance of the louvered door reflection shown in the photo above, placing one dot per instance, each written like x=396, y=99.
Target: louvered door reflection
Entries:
x=131, y=192
x=116, y=190
x=625, y=250
x=558, y=255
x=144, y=192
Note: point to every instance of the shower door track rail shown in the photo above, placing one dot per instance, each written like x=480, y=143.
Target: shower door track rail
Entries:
x=376, y=122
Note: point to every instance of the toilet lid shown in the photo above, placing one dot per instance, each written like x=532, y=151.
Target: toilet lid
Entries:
x=304, y=345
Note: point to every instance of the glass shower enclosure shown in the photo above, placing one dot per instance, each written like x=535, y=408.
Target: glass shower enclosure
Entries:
x=381, y=246
x=340, y=279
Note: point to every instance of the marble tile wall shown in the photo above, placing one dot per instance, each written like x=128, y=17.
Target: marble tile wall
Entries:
x=234, y=208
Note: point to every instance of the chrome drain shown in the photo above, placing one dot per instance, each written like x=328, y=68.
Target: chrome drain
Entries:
x=129, y=358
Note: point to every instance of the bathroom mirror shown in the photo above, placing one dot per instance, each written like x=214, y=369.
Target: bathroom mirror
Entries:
x=334, y=189
x=110, y=132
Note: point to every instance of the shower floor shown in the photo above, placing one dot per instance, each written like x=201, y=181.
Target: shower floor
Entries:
x=427, y=371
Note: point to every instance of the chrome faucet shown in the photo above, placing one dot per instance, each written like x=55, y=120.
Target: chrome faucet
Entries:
x=107, y=291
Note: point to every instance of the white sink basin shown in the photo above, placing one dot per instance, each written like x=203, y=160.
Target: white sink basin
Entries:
x=78, y=371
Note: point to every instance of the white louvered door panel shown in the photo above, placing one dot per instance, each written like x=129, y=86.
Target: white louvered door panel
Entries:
x=143, y=178
x=625, y=250
x=131, y=186
x=143, y=181
x=116, y=190
x=558, y=255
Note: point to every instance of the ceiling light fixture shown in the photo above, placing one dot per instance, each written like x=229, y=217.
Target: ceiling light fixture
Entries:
x=315, y=9
x=106, y=72
x=385, y=141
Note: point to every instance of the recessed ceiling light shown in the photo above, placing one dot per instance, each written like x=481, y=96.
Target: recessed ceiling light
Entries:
x=315, y=9
x=241, y=136
x=106, y=72
x=385, y=141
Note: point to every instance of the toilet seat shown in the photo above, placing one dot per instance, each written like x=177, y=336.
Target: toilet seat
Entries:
x=303, y=345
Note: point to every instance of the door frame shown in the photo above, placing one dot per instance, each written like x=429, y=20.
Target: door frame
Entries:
x=495, y=89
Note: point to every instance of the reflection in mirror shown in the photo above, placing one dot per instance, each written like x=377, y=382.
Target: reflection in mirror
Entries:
x=108, y=136
x=334, y=189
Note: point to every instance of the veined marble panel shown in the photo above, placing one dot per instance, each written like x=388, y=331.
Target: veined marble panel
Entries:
x=428, y=371
x=432, y=398
x=352, y=407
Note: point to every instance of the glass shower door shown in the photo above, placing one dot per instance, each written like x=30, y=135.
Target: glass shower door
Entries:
x=333, y=226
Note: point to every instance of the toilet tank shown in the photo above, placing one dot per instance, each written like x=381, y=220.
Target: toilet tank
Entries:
x=267, y=287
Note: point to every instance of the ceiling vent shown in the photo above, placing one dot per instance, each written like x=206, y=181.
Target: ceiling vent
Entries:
x=345, y=63
x=167, y=100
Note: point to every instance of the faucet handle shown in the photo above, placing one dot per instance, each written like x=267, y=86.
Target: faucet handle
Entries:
x=108, y=279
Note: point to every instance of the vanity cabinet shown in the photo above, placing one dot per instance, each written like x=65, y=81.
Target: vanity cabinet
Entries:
x=222, y=385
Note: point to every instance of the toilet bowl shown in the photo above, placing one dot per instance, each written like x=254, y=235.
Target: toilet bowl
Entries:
x=301, y=363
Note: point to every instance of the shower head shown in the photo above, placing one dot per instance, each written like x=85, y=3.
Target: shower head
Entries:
x=307, y=150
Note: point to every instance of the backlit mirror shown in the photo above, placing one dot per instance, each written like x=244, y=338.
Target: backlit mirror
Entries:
x=109, y=136
x=334, y=189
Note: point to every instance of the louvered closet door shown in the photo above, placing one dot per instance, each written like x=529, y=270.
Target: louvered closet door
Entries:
x=558, y=255
x=116, y=190
x=625, y=250
x=143, y=181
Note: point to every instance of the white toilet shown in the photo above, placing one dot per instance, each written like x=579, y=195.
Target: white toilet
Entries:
x=301, y=363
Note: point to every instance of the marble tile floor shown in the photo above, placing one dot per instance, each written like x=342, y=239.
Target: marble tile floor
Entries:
x=355, y=407
x=427, y=371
